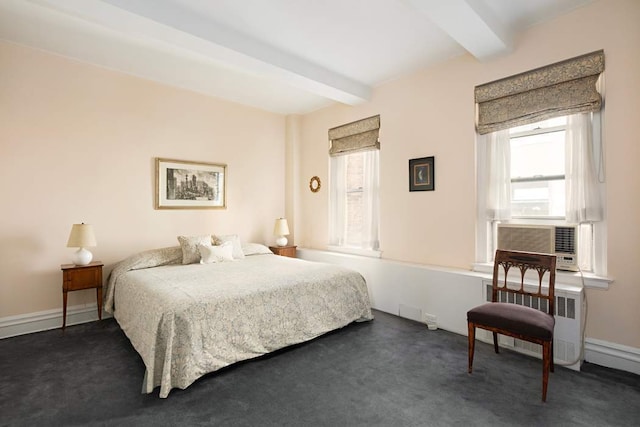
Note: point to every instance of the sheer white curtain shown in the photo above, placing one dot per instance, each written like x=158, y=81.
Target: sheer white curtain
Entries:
x=370, y=200
x=498, y=151
x=337, y=201
x=583, y=203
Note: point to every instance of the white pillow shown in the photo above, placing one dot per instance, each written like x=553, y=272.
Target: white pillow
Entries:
x=189, y=245
x=255, y=249
x=210, y=254
x=235, y=241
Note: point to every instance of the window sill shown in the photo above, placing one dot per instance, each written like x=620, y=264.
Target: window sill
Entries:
x=586, y=280
x=355, y=251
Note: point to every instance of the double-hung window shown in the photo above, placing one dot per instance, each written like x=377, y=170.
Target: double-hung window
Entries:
x=546, y=173
x=354, y=187
x=537, y=171
x=354, y=201
x=540, y=156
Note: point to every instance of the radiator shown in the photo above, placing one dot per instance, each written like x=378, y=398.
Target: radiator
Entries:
x=567, y=343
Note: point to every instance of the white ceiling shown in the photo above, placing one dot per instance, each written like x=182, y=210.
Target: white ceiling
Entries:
x=285, y=56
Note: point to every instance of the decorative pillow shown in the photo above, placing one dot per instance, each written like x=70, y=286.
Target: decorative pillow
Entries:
x=255, y=249
x=189, y=244
x=210, y=254
x=235, y=241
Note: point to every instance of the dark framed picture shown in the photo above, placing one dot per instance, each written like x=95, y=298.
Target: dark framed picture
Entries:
x=421, y=174
x=190, y=185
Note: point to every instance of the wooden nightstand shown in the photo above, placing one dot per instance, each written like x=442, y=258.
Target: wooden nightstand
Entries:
x=289, y=251
x=76, y=277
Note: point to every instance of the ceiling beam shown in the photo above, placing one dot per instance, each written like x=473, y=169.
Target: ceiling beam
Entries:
x=183, y=29
x=470, y=23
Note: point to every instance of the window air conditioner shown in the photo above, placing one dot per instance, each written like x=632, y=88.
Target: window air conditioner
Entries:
x=548, y=239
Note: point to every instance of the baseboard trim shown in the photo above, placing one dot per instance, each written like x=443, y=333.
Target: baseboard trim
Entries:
x=612, y=355
x=12, y=326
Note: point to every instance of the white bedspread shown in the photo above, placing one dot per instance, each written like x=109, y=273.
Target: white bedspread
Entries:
x=189, y=320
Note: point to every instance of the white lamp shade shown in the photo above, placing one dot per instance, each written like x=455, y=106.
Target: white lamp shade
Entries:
x=81, y=236
x=281, y=228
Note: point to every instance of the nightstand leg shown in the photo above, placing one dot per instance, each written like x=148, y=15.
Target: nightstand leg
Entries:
x=99, y=298
x=64, y=310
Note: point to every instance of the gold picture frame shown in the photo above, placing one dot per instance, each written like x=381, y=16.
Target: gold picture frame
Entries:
x=182, y=184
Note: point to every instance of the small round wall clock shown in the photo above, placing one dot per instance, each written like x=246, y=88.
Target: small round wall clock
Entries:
x=314, y=184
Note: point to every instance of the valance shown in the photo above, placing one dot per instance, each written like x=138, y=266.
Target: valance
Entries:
x=360, y=135
x=559, y=89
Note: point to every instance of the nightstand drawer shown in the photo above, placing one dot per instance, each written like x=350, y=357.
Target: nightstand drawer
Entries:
x=82, y=279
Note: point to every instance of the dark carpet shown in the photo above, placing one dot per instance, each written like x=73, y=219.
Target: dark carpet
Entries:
x=388, y=372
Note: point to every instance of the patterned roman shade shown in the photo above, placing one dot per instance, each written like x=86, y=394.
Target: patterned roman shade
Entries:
x=360, y=135
x=559, y=89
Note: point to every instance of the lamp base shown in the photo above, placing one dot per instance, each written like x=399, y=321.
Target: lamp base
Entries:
x=82, y=257
x=281, y=241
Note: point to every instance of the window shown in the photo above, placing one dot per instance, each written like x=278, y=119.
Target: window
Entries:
x=538, y=169
x=353, y=224
x=550, y=170
x=353, y=186
x=530, y=174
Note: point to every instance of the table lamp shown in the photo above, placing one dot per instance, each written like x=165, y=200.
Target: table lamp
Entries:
x=81, y=236
x=281, y=230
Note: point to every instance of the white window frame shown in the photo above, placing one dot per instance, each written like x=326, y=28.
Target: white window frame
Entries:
x=535, y=132
x=486, y=228
x=338, y=192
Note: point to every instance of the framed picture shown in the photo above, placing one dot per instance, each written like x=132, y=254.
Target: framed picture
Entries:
x=190, y=185
x=421, y=174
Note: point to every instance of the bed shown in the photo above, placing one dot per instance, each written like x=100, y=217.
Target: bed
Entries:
x=188, y=320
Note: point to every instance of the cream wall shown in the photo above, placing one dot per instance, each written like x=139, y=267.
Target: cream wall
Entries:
x=432, y=113
x=77, y=143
